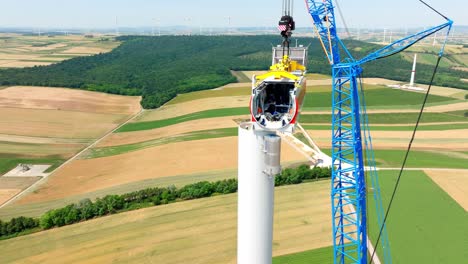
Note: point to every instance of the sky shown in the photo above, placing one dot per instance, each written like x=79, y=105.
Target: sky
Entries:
x=215, y=14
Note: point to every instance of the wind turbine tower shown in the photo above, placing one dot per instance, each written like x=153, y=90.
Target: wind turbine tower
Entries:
x=413, y=71
x=117, y=26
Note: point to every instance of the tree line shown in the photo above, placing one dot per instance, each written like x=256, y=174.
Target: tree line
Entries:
x=159, y=68
x=112, y=204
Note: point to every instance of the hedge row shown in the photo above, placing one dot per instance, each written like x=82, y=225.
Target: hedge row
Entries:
x=111, y=204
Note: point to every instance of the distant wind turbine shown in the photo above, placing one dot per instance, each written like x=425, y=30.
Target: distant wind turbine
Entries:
x=117, y=26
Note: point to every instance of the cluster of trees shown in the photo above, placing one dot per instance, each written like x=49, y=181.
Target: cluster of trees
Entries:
x=111, y=204
x=159, y=68
x=17, y=225
x=301, y=174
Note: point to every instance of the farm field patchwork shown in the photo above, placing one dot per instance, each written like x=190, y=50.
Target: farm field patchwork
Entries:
x=299, y=209
x=380, y=96
x=314, y=256
x=36, y=209
x=184, y=231
x=412, y=222
x=40, y=125
x=423, y=216
x=17, y=51
x=230, y=90
x=195, y=135
x=123, y=138
x=453, y=182
x=87, y=175
x=393, y=158
x=390, y=118
x=137, y=126
x=422, y=127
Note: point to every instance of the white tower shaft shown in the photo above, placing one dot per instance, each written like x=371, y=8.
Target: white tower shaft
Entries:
x=259, y=162
x=413, y=72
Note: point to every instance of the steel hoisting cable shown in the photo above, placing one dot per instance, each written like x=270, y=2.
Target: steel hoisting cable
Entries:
x=342, y=18
x=433, y=9
x=411, y=141
x=406, y=157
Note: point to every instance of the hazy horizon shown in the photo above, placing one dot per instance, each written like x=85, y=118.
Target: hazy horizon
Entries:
x=216, y=14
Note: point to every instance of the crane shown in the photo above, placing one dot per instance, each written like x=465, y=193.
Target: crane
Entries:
x=350, y=131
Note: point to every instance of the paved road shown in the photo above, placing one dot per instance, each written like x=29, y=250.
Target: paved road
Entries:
x=43, y=180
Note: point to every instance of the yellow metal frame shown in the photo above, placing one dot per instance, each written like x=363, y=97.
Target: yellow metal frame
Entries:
x=283, y=69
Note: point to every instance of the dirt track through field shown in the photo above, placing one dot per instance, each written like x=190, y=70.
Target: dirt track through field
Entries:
x=81, y=176
x=454, y=182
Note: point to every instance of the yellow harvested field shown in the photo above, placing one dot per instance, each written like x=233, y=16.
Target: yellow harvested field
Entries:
x=48, y=47
x=60, y=112
x=379, y=81
x=39, y=140
x=426, y=140
x=197, y=231
x=24, y=64
x=82, y=176
x=174, y=110
x=68, y=99
x=27, y=51
x=422, y=135
x=56, y=123
x=454, y=182
x=7, y=194
x=85, y=50
x=14, y=57
x=124, y=138
x=37, y=150
x=448, y=107
x=448, y=92
x=17, y=182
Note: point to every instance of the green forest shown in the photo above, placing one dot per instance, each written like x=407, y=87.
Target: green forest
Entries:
x=159, y=68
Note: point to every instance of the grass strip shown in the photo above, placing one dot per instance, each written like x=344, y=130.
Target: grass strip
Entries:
x=138, y=126
x=196, y=135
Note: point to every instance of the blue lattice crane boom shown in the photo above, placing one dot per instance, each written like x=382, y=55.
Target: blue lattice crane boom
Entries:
x=350, y=131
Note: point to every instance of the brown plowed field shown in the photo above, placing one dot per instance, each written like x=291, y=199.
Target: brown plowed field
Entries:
x=189, y=157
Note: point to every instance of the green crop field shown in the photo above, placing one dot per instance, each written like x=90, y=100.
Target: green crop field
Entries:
x=186, y=97
x=430, y=59
x=381, y=97
x=390, y=118
x=381, y=118
x=137, y=126
x=419, y=159
x=393, y=158
x=421, y=127
x=195, y=135
x=425, y=224
x=315, y=256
